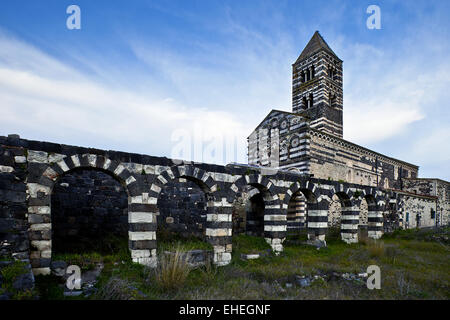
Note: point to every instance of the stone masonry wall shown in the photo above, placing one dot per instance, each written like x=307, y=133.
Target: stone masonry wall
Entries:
x=432, y=187
x=14, y=238
x=31, y=172
x=334, y=159
x=87, y=206
x=183, y=209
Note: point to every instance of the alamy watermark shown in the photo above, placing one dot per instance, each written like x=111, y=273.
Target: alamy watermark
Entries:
x=74, y=20
x=374, y=278
x=374, y=20
x=74, y=280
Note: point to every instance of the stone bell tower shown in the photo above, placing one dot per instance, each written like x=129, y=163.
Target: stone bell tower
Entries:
x=317, y=86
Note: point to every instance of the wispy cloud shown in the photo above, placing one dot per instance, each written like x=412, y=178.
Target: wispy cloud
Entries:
x=224, y=87
x=45, y=99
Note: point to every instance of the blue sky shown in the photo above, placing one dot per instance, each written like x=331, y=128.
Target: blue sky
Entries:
x=151, y=76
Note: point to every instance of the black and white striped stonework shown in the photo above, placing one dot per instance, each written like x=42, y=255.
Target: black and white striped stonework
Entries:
x=275, y=221
x=374, y=222
x=296, y=213
x=219, y=210
x=317, y=220
x=349, y=224
x=40, y=185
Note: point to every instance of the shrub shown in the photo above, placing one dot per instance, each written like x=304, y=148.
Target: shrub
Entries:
x=173, y=269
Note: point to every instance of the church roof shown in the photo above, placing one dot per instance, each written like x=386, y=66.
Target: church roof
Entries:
x=314, y=45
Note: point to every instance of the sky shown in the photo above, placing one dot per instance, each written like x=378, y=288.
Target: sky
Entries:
x=192, y=79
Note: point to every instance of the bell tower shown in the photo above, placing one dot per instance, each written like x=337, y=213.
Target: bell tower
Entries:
x=317, y=86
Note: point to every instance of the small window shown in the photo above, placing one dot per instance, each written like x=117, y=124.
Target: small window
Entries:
x=407, y=216
x=433, y=213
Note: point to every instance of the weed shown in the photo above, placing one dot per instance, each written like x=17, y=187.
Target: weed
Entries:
x=173, y=269
x=118, y=289
x=376, y=248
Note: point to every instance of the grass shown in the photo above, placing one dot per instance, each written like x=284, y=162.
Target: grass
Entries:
x=167, y=239
x=411, y=268
x=9, y=275
x=249, y=244
x=173, y=269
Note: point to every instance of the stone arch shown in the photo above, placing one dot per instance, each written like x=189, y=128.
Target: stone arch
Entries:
x=219, y=209
x=40, y=187
x=275, y=212
x=296, y=216
x=317, y=204
x=255, y=212
x=349, y=219
x=374, y=214
x=242, y=205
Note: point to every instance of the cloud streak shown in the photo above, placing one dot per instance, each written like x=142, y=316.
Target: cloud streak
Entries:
x=223, y=87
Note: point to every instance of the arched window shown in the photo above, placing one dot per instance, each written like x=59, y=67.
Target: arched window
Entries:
x=331, y=72
x=305, y=103
x=311, y=101
x=349, y=176
x=332, y=100
x=386, y=183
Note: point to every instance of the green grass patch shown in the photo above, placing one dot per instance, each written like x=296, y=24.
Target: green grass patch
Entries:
x=167, y=240
x=249, y=244
x=411, y=268
x=10, y=274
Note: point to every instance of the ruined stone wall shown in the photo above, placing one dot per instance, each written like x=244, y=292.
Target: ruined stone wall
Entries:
x=13, y=209
x=182, y=209
x=418, y=212
x=334, y=212
x=14, y=237
x=36, y=175
x=443, y=204
x=433, y=187
x=87, y=206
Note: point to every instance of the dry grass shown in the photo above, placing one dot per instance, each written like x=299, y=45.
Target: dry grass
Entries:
x=117, y=289
x=376, y=248
x=173, y=269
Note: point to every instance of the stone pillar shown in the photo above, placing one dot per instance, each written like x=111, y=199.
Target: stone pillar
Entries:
x=40, y=231
x=310, y=69
x=142, y=211
x=275, y=223
x=219, y=228
x=349, y=224
x=317, y=221
x=374, y=222
x=296, y=212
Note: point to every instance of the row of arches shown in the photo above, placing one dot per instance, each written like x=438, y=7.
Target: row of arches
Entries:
x=267, y=215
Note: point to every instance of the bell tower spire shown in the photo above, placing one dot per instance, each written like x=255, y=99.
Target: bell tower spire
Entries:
x=317, y=86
